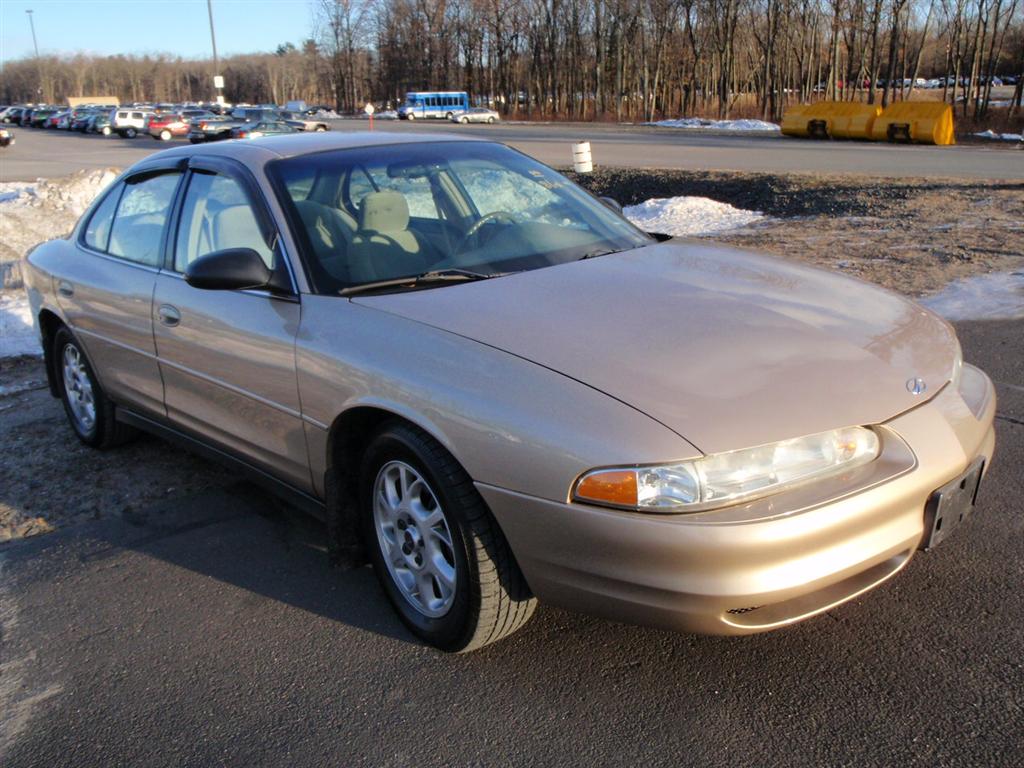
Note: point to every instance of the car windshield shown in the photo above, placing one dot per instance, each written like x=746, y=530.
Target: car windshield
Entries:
x=384, y=212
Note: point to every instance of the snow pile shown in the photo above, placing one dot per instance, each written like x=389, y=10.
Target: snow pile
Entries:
x=34, y=213
x=688, y=216
x=990, y=134
x=999, y=296
x=325, y=114
x=717, y=125
x=17, y=335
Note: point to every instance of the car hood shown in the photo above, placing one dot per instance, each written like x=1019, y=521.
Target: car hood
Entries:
x=727, y=348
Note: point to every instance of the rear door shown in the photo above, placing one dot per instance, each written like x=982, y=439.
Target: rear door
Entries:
x=228, y=357
x=106, y=291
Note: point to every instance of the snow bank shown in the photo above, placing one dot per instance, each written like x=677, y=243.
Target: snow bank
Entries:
x=717, y=125
x=990, y=134
x=999, y=296
x=34, y=213
x=685, y=216
x=17, y=335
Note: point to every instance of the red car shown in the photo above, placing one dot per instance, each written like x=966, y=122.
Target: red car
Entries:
x=165, y=127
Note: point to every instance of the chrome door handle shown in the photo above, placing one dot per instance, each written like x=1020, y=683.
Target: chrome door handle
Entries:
x=169, y=315
x=65, y=288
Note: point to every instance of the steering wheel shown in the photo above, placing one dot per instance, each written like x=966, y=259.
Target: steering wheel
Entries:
x=494, y=216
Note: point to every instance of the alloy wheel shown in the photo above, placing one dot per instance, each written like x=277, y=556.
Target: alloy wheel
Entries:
x=78, y=389
x=414, y=538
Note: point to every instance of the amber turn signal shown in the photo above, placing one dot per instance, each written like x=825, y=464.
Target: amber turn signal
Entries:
x=616, y=487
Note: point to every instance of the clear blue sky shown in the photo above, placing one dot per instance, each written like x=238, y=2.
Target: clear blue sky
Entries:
x=178, y=27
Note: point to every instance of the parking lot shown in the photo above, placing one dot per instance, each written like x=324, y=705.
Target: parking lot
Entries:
x=182, y=617
x=57, y=153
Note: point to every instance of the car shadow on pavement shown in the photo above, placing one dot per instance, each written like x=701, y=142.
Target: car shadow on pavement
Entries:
x=244, y=537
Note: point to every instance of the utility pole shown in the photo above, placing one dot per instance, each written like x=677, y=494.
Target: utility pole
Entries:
x=39, y=63
x=218, y=81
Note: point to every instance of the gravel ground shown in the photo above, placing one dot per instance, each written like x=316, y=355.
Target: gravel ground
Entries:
x=914, y=236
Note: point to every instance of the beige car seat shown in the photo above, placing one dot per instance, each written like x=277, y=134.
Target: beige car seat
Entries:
x=330, y=232
x=383, y=246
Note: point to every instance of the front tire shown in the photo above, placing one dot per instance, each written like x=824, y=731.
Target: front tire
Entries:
x=89, y=411
x=440, y=556
x=105, y=130
x=463, y=120
x=129, y=133
x=165, y=135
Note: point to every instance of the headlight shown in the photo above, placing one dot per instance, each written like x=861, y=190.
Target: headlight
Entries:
x=726, y=478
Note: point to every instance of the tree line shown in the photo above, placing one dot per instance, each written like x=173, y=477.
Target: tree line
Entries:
x=588, y=59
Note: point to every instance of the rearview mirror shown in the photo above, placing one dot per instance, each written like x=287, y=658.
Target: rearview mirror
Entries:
x=233, y=269
x=612, y=203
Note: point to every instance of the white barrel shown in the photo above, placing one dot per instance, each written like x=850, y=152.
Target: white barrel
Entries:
x=581, y=161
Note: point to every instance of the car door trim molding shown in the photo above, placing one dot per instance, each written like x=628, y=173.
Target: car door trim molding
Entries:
x=230, y=387
x=115, y=342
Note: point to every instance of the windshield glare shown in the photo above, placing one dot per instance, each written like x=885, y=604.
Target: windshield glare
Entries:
x=386, y=212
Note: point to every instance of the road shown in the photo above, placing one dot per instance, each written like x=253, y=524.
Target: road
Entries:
x=208, y=630
x=52, y=153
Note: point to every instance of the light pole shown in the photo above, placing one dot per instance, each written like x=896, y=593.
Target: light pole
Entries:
x=39, y=63
x=218, y=81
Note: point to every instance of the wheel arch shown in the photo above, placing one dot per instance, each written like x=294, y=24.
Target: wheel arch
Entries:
x=49, y=324
x=348, y=437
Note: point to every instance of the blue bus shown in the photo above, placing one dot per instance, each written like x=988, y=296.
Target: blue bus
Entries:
x=423, y=104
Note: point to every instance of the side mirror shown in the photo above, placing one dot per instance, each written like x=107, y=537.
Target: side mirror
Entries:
x=232, y=269
x=612, y=203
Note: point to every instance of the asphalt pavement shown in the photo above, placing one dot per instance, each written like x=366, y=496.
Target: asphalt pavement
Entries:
x=57, y=153
x=209, y=630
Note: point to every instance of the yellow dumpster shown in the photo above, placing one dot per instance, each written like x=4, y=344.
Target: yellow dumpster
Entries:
x=835, y=119
x=853, y=120
x=807, y=120
x=924, y=122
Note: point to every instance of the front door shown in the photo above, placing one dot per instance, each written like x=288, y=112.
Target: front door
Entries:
x=228, y=357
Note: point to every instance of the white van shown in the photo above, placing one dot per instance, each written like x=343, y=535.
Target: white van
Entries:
x=129, y=122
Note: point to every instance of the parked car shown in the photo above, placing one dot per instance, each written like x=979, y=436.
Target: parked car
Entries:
x=222, y=127
x=166, y=126
x=99, y=122
x=262, y=128
x=39, y=116
x=129, y=123
x=6, y=137
x=414, y=341
x=300, y=122
x=476, y=115
x=13, y=115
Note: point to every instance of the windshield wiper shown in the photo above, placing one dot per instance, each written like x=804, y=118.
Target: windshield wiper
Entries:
x=434, y=277
x=599, y=252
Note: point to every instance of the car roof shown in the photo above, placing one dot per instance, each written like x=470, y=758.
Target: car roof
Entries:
x=296, y=144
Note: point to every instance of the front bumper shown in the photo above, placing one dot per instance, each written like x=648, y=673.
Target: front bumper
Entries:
x=757, y=566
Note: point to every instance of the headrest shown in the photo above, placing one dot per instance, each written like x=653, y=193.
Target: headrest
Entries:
x=385, y=211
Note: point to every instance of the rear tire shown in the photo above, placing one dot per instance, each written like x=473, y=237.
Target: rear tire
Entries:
x=129, y=133
x=463, y=120
x=452, y=577
x=490, y=120
x=105, y=130
x=89, y=411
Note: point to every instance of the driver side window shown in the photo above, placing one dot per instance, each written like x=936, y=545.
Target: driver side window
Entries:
x=217, y=214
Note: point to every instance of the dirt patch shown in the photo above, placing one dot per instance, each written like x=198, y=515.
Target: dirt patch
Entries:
x=914, y=236
x=49, y=479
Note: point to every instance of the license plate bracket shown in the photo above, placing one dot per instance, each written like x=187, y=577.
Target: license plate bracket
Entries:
x=950, y=505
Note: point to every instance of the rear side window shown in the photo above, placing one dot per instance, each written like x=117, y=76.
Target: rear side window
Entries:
x=97, y=231
x=141, y=215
